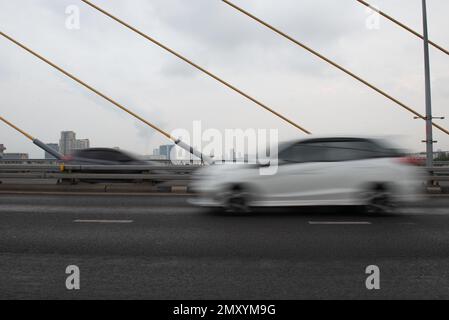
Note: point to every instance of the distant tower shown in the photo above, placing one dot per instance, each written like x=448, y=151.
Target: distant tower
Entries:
x=82, y=144
x=234, y=155
x=2, y=149
x=67, y=142
x=165, y=151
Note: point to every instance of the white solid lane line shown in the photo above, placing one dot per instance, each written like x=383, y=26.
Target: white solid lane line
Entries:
x=103, y=221
x=339, y=222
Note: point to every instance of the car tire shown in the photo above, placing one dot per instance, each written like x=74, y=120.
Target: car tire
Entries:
x=236, y=200
x=379, y=200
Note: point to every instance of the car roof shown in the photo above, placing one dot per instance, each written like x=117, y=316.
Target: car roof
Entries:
x=318, y=138
x=129, y=154
x=100, y=149
x=335, y=138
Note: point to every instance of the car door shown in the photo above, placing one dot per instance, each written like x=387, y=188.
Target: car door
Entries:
x=354, y=164
x=341, y=175
x=300, y=177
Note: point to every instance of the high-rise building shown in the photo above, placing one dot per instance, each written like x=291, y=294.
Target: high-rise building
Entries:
x=68, y=143
x=15, y=156
x=165, y=151
x=12, y=156
x=53, y=146
x=2, y=149
x=82, y=144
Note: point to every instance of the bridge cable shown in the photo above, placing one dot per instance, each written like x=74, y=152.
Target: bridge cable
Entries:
x=402, y=25
x=210, y=74
x=36, y=141
x=403, y=105
x=29, y=136
x=84, y=84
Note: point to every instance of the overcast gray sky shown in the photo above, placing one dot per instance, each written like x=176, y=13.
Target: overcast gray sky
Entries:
x=172, y=94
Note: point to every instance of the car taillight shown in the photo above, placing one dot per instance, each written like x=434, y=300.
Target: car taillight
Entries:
x=411, y=161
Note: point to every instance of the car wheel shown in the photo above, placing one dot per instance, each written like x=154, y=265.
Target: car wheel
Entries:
x=380, y=201
x=236, y=200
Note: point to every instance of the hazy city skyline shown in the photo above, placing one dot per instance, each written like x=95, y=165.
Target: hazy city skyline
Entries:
x=171, y=94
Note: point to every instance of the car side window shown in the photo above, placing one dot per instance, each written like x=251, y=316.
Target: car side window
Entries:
x=99, y=155
x=347, y=151
x=334, y=151
x=88, y=154
x=353, y=150
x=113, y=156
x=305, y=152
x=121, y=157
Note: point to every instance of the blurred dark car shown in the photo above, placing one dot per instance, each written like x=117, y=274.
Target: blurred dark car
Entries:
x=98, y=157
x=103, y=156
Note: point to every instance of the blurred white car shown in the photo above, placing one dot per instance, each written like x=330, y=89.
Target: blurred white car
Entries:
x=314, y=172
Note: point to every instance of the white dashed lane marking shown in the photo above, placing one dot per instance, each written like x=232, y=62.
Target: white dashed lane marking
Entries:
x=339, y=222
x=103, y=221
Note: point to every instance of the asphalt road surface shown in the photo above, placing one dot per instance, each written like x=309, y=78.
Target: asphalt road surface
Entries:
x=160, y=247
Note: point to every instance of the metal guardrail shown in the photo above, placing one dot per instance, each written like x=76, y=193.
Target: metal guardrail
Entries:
x=175, y=175
x=438, y=174
x=95, y=176
x=28, y=161
x=96, y=168
x=55, y=162
x=441, y=163
x=162, y=173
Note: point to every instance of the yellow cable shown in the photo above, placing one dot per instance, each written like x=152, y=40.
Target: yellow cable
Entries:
x=403, y=105
x=17, y=128
x=88, y=87
x=197, y=67
x=402, y=25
